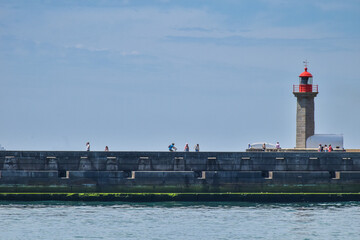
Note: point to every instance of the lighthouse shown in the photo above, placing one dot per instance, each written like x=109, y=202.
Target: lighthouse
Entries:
x=305, y=93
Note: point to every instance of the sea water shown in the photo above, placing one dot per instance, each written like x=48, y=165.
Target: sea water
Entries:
x=179, y=220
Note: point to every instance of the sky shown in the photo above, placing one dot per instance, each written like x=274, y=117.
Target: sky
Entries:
x=139, y=75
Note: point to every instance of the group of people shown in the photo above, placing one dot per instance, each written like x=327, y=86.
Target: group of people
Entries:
x=172, y=147
x=88, y=147
x=263, y=147
x=277, y=146
x=325, y=148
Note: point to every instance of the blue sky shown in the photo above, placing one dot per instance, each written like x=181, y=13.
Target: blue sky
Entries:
x=138, y=75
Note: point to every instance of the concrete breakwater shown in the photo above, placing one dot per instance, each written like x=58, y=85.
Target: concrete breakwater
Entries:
x=179, y=172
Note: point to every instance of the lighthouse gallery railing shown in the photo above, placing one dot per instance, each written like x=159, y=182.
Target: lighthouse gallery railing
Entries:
x=305, y=88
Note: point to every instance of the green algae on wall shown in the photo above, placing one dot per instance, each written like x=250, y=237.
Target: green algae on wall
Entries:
x=229, y=188
x=157, y=197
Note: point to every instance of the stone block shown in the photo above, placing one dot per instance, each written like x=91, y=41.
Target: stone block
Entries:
x=301, y=177
x=164, y=177
x=29, y=174
x=95, y=174
x=235, y=177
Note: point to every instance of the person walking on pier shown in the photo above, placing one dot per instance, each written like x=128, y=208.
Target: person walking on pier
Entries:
x=88, y=146
x=277, y=146
x=330, y=148
x=187, y=148
x=106, y=148
x=320, y=148
x=264, y=147
x=197, y=148
x=172, y=147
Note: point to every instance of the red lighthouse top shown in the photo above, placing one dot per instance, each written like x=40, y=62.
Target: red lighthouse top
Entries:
x=305, y=82
x=305, y=73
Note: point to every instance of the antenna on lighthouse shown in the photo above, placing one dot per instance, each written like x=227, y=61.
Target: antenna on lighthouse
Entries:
x=305, y=63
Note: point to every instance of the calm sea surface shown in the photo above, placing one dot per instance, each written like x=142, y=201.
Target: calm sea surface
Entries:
x=179, y=220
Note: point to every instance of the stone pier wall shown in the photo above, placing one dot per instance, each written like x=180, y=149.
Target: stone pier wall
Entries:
x=179, y=172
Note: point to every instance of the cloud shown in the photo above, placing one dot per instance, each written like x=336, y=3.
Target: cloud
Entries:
x=194, y=29
x=131, y=53
x=91, y=49
x=333, y=6
x=255, y=36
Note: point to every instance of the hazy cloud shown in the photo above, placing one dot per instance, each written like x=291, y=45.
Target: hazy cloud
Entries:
x=136, y=75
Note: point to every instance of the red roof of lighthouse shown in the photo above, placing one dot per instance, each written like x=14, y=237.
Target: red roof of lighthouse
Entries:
x=305, y=73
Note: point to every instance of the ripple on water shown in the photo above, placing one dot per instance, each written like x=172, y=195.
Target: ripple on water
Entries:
x=178, y=220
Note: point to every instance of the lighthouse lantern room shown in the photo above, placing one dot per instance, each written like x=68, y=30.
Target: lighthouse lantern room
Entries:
x=305, y=82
